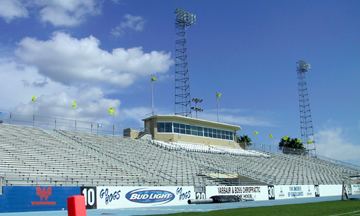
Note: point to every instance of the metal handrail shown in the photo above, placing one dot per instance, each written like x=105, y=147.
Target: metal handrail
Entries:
x=338, y=162
x=55, y=122
x=304, y=152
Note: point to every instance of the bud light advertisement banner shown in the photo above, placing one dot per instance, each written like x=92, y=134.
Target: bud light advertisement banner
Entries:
x=38, y=198
x=130, y=197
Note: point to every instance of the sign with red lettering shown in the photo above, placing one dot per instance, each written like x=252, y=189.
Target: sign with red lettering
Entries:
x=43, y=193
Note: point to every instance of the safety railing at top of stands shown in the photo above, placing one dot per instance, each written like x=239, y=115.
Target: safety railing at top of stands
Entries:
x=286, y=151
x=275, y=149
x=263, y=148
x=338, y=162
x=310, y=155
x=52, y=122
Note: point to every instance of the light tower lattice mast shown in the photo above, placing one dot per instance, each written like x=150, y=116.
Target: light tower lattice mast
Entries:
x=306, y=124
x=183, y=20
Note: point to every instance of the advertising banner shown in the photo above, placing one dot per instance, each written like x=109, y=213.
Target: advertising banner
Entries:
x=35, y=198
x=330, y=190
x=131, y=197
x=355, y=189
x=295, y=191
x=246, y=192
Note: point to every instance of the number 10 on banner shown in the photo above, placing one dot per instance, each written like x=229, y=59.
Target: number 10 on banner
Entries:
x=90, y=196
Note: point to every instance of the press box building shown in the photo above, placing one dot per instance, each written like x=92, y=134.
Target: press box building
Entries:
x=176, y=128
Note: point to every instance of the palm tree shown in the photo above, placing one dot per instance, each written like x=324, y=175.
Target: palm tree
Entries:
x=291, y=145
x=244, y=140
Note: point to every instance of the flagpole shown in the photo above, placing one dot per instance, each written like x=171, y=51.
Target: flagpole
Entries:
x=152, y=97
x=111, y=112
x=33, y=114
x=218, y=96
x=113, y=126
x=152, y=80
x=74, y=107
x=33, y=100
x=217, y=109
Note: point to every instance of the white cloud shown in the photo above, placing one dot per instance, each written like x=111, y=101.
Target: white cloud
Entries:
x=331, y=142
x=70, y=60
x=130, y=22
x=54, y=99
x=134, y=114
x=11, y=9
x=91, y=104
x=66, y=12
x=18, y=83
x=233, y=116
x=56, y=12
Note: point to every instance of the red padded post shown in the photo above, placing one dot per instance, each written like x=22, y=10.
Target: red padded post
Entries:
x=76, y=205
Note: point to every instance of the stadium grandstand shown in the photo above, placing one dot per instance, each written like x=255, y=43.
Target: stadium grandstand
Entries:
x=31, y=154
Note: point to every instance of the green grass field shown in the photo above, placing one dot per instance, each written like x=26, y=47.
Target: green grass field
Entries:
x=333, y=208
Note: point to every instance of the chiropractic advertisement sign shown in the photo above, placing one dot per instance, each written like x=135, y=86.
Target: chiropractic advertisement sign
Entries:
x=244, y=192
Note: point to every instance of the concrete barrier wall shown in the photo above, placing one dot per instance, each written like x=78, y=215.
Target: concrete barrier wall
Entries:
x=355, y=189
x=276, y=192
x=330, y=190
x=21, y=198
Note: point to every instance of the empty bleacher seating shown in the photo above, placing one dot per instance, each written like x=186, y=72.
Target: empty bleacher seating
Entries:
x=33, y=156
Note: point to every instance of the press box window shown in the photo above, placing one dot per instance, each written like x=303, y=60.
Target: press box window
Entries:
x=168, y=127
x=160, y=127
x=176, y=127
x=164, y=127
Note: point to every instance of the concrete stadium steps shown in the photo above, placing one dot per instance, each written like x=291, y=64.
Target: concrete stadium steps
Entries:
x=32, y=156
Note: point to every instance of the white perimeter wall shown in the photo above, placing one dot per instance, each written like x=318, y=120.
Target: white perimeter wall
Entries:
x=130, y=197
x=355, y=189
x=330, y=190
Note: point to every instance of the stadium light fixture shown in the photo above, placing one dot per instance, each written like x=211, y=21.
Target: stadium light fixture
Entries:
x=303, y=66
x=185, y=18
x=196, y=108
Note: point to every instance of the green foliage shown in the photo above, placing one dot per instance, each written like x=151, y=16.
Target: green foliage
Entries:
x=244, y=140
x=291, y=145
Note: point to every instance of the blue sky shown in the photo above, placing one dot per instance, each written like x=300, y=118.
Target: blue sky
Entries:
x=90, y=51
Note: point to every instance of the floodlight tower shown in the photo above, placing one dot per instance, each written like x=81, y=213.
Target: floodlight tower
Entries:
x=306, y=124
x=183, y=21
